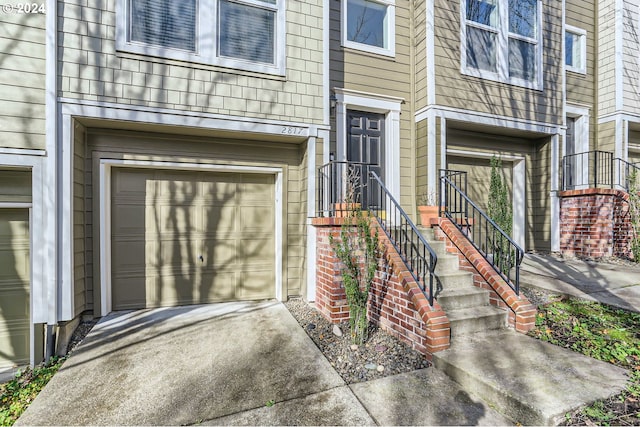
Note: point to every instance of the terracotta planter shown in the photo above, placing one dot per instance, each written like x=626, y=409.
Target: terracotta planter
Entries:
x=429, y=215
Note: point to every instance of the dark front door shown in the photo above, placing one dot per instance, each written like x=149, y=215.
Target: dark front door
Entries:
x=365, y=144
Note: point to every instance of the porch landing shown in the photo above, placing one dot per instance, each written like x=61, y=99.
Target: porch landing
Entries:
x=529, y=381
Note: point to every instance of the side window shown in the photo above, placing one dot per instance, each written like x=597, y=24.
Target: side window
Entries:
x=369, y=25
x=575, y=46
x=243, y=34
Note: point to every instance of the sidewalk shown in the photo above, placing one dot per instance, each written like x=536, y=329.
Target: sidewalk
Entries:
x=616, y=285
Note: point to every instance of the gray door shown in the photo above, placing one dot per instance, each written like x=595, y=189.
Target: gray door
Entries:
x=365, y=144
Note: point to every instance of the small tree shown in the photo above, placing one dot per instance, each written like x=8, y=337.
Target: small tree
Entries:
x=500, y=211
x=634, y=214
x=357, y=249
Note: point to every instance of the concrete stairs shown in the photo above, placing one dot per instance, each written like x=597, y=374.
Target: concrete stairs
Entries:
x=528, y=381
x=466, y=305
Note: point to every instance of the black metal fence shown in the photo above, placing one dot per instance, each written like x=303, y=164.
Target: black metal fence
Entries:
x=495, y=245
x=345, y=186
x=596, y=169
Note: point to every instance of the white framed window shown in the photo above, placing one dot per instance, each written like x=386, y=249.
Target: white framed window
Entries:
x=501, y=40
x=243, y=34
x=575, y=48
x=369, y=25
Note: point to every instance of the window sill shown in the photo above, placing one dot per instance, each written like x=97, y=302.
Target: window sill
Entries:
x=280, y=76
x=377, y=51
x=486, y=75
x=580, y=71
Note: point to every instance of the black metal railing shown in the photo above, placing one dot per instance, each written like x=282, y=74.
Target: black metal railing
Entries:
x=495, y=245
x=625, y=171
x=591, y=169
x=344, y=186
x=340, y=187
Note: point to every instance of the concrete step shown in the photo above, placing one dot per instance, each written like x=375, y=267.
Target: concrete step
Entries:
x=465, y=321
x=456, y=279
x=463, y=297
x=529, y=381
x=447, y=263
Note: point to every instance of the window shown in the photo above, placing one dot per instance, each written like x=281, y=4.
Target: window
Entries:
x=369, y=25
x=501, y=40
x=244, y=34
x=575, y=46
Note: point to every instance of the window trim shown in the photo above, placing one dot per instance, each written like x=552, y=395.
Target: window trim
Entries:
x=582, y=34
x=207, y=50
x=391, y=30
x=502, y=47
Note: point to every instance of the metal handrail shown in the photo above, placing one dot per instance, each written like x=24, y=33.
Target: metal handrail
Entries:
x=625, y=169
x=405, y=237
x=494, y=244
x=343, y=186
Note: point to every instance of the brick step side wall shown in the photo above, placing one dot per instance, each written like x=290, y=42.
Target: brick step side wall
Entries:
x=595, y=223
x=396, y=303
x=522, y=314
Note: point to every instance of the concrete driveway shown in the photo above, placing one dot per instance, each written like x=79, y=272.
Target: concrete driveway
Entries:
x=221, y=364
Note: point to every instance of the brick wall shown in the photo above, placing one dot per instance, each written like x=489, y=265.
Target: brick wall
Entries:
x=595, y=223
x=396, y=303
x=522, y=314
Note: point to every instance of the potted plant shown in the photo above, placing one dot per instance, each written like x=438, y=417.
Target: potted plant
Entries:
x=428, y=209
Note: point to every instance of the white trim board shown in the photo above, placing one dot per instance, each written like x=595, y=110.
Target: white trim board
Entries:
x=105, y=214
x=486, y=119
x=375, y=103
x=39, y=291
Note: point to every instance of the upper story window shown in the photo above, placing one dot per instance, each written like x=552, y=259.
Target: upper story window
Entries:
x=369, y=25
x=243, y=34
x=501, y=40
x=575, y=47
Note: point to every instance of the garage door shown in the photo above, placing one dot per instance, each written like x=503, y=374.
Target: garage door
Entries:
x=191, y=237
x=14, y=287
x=479, y=177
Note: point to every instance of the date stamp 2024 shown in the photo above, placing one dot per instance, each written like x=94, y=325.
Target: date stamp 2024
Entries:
x=22, y=8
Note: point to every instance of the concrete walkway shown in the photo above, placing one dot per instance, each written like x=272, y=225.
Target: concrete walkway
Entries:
x=221, y=364
x=616, y=285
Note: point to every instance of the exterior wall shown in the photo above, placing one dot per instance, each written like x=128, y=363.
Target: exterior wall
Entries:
x=538, y=164
x=81, y=300
x=606, y=136
x=606, y=57
x=595, y=223
x=148, y=146
x=459, y=91
x=22, y=80
x=376, y=74
x=631, y=56
x=396, y=303
x=420, y=60
x=92, y=70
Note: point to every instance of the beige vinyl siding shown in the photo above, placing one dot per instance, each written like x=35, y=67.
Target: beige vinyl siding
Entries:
x=607, y=136
x=581, y=88
x=79, y=251
x=421, y=159
x=16, y=186
x=22, y=80
x=420, y=40
x=146, y=146
x=456, y=90
x=538, y=230
x=634, y=147
x=606, y=57
x=91, y=69
x=377, y=74
x=631, y=56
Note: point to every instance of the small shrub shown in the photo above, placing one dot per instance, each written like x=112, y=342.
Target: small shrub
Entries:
x=634, y=214
x=17, y=394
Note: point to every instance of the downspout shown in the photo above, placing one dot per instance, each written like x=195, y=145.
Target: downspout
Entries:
x=51, y=174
